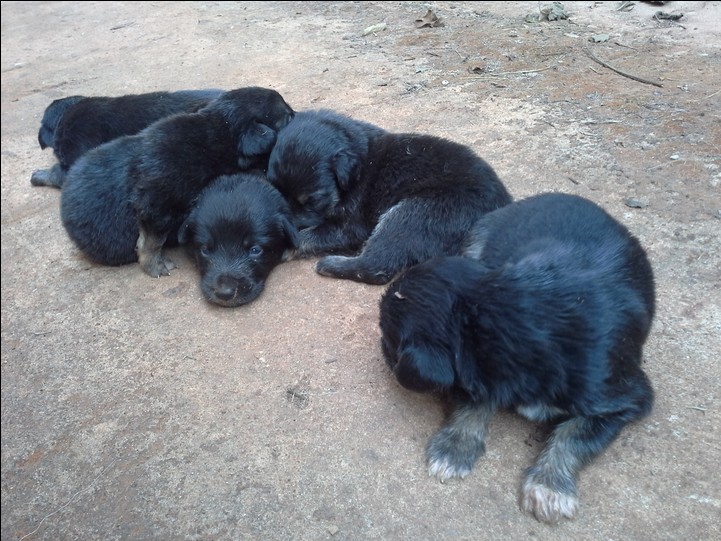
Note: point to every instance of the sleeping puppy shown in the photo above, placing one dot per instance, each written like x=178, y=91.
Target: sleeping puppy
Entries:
x=51, y=118
x=393, y=200
x=71, y=126
x=95, y=207
x=548, y=313
x=104, y=192
x=238, y=233
x=181, y=154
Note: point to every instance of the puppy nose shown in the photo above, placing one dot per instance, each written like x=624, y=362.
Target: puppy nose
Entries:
x=227, y=288
x=224, y=293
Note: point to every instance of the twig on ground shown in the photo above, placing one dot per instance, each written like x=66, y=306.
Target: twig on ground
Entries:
x=71, y=500
x=624, y=45
x=707, y=97
x=605, y=65
x=503, y=73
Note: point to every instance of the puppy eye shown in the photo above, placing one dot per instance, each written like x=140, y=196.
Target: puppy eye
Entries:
x=255, y=251
x=204, y=250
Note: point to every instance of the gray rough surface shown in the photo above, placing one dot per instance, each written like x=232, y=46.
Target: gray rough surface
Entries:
x=132, y=409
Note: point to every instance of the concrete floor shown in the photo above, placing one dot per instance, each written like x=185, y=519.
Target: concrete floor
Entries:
x=133, y=409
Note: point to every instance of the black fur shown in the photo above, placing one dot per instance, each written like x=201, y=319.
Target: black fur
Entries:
x=180, y=155
x=95, y=204
x=394, y=199
x=547, y=313
x=238, y=233
x=51, y=119
x=152, y=179
x=71, y=126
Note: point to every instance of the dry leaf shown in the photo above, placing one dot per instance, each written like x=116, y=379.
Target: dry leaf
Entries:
x=430, y=20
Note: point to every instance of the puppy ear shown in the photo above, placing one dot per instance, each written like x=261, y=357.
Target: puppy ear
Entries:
x=347, y=169
x=423, y=369
x=187, y=229
x=255, y=142
x=291, y=232
x=45, y=138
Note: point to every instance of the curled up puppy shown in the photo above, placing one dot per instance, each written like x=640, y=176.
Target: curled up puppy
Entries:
x=547, y=313
x=373, y=203
x=125, y=200
x=71, y=126
x=182, y=154
x=237, y=233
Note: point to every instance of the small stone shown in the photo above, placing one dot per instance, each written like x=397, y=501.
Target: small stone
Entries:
x=635, y=203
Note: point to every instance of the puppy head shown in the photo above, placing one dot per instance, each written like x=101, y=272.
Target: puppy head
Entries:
x=255, y=116
x=419, y=338
x=238, y=233
x=428, y=329
x=316, y=160
x=51, y=118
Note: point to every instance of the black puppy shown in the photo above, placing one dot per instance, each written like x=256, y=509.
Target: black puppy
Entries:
x=181, y=154
x=95, y=207
x=51, y=119
x=152, y=179
x=550, y=319
x=398, y=198
x=71, y=126
x=238, y=233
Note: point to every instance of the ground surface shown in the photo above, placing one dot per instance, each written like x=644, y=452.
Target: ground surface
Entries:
x=132, y=409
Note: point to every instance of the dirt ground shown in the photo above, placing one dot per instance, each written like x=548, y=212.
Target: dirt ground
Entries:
x=133, y=409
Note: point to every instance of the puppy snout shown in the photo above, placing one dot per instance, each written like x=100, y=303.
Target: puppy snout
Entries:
x=227, y=288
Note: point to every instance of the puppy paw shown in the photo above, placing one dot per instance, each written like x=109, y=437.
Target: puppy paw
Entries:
x=331, y=265
x=48, y=177
x=349, y=268
x=156, y=265
x=39, y=177
x=546, y=504
x=446, y=467
x=453, y=454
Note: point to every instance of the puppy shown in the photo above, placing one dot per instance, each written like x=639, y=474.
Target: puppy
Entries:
x=547, y=313
x=394, y=200
x=71, y=126
x=51, y=118
x=152, y=179
x=237, y=233
x=180, y=155
x=95, y=207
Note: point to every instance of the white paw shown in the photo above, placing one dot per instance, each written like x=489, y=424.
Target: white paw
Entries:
x=443, y=469
x=546, y=504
